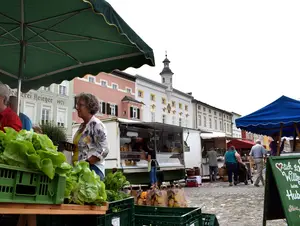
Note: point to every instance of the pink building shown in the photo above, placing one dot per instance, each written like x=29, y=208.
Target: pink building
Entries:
x=115, y=92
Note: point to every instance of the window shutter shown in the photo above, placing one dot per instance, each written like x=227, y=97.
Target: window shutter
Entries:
x=103, y=107
x=131, y=112
x=138, y=113
x=108, y=108
x=116, y=110
x=74, y=103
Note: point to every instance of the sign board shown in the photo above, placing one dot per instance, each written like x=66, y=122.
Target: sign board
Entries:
x=282, y=190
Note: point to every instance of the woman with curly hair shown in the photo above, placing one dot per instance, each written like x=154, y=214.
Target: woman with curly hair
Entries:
x=90, y=140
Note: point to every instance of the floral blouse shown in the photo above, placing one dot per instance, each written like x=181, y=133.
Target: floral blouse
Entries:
x=93, y=142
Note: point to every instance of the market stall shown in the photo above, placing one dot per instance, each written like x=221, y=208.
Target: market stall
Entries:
x=278, y=119
x=128, y=141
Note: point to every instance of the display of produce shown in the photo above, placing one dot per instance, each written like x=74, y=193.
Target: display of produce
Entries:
x=31, y=150
x=84, y=186
x=114, y=183
x=164, y=197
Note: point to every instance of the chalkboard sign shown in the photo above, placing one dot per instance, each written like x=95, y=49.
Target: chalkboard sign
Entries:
x=282, y=190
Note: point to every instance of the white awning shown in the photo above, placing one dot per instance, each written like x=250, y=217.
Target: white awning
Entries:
x=212, y=135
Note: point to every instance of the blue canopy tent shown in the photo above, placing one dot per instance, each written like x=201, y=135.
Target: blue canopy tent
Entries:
x=281, y=116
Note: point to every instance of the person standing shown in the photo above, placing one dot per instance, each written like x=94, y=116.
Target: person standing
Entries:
x=90, y=140
x=8, y=118
x=232, y=158
x=213, y=164
x=26, y=122
x=258, y=154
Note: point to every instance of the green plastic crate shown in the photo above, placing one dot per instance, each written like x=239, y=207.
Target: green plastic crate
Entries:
x=149, y=215
x=209, y=220
x=19, y=185
x=120, y=213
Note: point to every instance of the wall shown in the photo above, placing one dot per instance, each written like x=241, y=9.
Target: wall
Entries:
x=157, y=108
x=212, y=119
x=112, y=93
x=237, y=133
x=58, y=105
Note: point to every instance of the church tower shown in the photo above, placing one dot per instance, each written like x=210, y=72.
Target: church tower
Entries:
x=167, y=74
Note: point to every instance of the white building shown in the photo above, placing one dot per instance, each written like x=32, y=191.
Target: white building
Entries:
x=49, y=104
x=236, y=133
x=162, y=102
x=212, y=119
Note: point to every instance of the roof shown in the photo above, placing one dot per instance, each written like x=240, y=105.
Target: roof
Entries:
x=166, y=70
x=124, y=75
x=162, y=85
x=131, y=99
x=267, y=120
x=219, y=109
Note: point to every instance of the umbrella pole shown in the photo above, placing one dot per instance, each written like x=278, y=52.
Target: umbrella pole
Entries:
x=19, y=95
x=279, y=139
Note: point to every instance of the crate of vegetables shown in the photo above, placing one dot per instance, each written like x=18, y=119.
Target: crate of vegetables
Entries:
x=31, y=169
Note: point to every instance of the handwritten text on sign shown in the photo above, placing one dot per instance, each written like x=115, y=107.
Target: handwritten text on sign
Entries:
x=291, y=173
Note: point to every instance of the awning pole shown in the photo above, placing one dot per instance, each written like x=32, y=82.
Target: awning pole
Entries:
x=279, y=139
x=19, y=95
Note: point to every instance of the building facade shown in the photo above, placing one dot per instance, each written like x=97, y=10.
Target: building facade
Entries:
x=49, y=104
x=115, y=92
x=163, y=103
x=209, y=118
x=236, y=132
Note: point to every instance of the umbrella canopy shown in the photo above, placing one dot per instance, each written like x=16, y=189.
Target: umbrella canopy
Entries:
x=44, y=42
x=268, y=120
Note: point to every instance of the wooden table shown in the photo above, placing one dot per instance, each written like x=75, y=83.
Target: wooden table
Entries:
x=28, y=212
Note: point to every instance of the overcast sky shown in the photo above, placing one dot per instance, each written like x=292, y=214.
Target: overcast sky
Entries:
x=236, y=55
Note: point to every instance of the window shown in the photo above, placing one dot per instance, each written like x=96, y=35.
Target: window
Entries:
x=180, y=121
x=204, y=119
x=215, y=113
x=170, y=80
x=134, y=113
x=112, y=109
x=220, y=115
x=228, y=128
x=199, y=120
x=62, y=90
x=216, y=124
x=173, y=119
x=140, y=93
x=199, y=107
x=173, y=104
x=102, y=107
x=45, y=115
x=114, y=86
x=225, y=127
x=204, y=109
x=61, y=117
x=29, y=110
x=91, y=79
x=47, y=89
x=163, y=80
x=221, y=126
x=210, y=123
x=163, y=118
x=209, y=111
x=152, y=116
x=186, y=107
x=152, y=97
x=103, y=83
x=163, y=100
x=180, y=105
x=128, y=90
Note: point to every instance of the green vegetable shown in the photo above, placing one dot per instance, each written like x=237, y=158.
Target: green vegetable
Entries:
x=31, y=150
x=84, y=186
x=115, y=181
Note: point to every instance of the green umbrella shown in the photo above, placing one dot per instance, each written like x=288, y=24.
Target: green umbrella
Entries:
x=48, y=41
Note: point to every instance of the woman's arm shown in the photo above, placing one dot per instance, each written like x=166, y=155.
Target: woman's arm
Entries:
x=238, y=157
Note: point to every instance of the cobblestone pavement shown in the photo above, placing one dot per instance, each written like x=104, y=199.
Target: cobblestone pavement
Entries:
x=240, y=205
